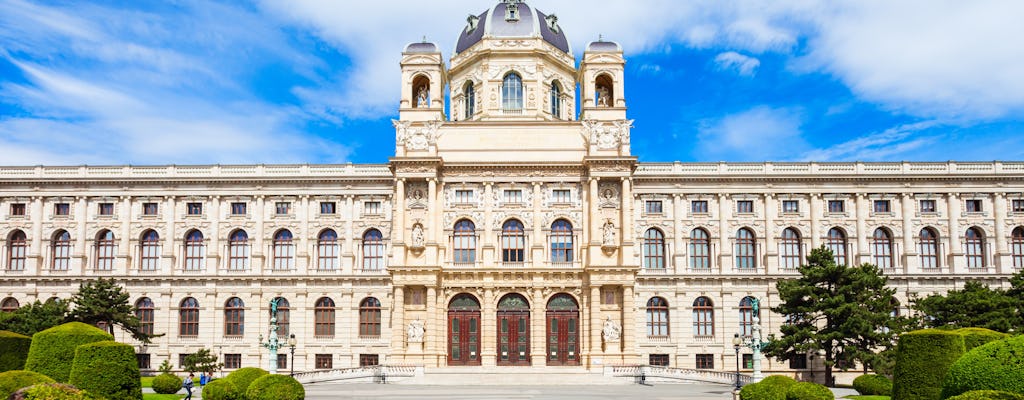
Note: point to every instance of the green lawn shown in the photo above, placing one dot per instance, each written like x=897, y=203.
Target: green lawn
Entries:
x=147, y=381
x=155, y=396
x=859, y=397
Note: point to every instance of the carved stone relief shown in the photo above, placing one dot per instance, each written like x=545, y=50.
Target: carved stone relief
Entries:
x=416, y=138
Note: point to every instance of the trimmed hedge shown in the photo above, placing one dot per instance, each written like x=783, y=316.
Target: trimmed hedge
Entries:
x=809, y=391
x=974, y=337
x=275, y=387
x=167, y=384
x=922, y=359
x=996, y=365
x=52, y=391
x=53, y=350
x=773, y=387
x=221, y=389
x=11, y=381
x=107, y=369
x=242, y=377
x=873, y=385
x=987, y=395
x=13, y=350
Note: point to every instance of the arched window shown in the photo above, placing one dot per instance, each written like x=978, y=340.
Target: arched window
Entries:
x=284, y=250
x=512, y=93
x=789, y=249
x=556, y=100
x=654, y=249
x=974, y=248
x=657, y=317
x=470, y=95
x=369, y=317
x=604, y=88
x=323, y=316
x=327, y=250
x=60, y=251
x=234, y=317
x=9, y=304
x=144, y=312
x=150, y=249
x=928, y=247
x=1017, y=247
x=747, y=316
x=465, y=242
x=17, y=247
x=188, y=317
x=703, y=317
x=106, y=250
x=881, y=248
x=284, y=316
x=561, y=241
x=238, y=250
x=700, y=249
x=837, y=243
x=373, y=250
x=746, y=257
x=513, y=241
x=195, y=251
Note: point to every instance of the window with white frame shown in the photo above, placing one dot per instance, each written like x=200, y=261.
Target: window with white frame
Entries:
x=371, y=208
x=653, y=207
x=464, y=196
x=561, y=196
x=512, y=196
x=791, y=206
x=327, y=250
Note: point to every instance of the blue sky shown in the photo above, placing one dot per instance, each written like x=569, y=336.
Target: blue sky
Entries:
x=297, y=81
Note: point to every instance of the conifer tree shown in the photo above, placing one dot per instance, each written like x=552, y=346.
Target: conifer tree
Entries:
x=104, y=301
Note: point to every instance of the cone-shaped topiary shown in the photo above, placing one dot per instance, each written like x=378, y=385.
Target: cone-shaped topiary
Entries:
x=53, y=350
x=922, y=359
x=13, y=350
x=997, y=365
x=242, y=377
x=166, y=384
x=11, y=381
x=107, y=369
x=809, y=391
x=275, y=387
x=221, y=389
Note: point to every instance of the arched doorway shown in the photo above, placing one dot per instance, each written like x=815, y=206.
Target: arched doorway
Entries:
x=513, y=330
x=563, y=330
x=464, y=330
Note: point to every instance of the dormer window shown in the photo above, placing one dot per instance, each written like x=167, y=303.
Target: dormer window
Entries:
x=471, y=22
x=512, y=10
x=552, y=21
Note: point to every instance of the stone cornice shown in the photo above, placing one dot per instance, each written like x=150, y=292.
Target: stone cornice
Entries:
x=175, y=174
x=829, y=171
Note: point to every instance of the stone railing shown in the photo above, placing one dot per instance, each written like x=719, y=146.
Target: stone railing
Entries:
x=376, y=373
x=644, y=372
x=822, y=168
x=195, y=171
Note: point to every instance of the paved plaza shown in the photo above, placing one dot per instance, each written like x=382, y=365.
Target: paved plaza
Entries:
x=325, y=391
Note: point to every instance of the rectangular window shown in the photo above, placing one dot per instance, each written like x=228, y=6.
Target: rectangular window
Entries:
x=791, y=206
x=415, y=296
x=882, y=206
x=748, y=361
x=652, y=207
x=282, y=361
x=142, y=360
x=371, y=207
x=106, y=208
x=928, y=206
x=327, y=207
x=19, y=208
x=194, y=208
x=283, y=208
x=745, y=207
x=561, y=196
x=836, y=206
x=798, y=361
x=181, y=360
x=232, y=361
x=513, y=196
x=705, y=361
x=238, y=208
x=658, y=360
x=699, y=206
x=368, y=360
x=608, y=296
x=463, y=196
x=62, y=209
x=1016, y=206
x=150, y=208
x=973, y=206
x=324, y=361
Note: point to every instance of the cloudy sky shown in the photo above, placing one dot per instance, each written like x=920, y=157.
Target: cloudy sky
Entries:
x=295, y=81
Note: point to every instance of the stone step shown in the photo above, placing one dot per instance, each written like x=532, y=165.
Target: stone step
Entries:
x=512, y=376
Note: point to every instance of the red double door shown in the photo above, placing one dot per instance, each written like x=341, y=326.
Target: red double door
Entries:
x=513, y=338
x=464, y=337
x=563, y=337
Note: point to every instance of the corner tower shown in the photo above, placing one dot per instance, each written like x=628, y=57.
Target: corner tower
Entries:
x=601, y=82
x=423, y=78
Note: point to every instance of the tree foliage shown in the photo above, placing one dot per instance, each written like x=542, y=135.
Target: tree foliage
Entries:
x=843, y=310
x=34, y=317
x=201, y=361
x=976, y=305
x=104, y=301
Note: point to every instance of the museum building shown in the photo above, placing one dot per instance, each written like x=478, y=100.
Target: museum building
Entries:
x=509, y=229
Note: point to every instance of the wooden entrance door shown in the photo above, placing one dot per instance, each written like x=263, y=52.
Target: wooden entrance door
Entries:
x=563, y=331
x=463, y=337
x=513, y=338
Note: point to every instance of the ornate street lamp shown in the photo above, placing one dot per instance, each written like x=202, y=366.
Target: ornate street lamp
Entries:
x=756, y=342
x=272, y=343
x=291, y=343
x=736, y=342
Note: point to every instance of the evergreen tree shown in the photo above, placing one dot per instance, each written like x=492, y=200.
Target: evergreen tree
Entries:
x=201, y=361
x=843, y=310
x=34, y=317
x=976, y=305
x=104, y=301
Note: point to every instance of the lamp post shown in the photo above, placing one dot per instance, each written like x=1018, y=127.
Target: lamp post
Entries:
x=756, y=342
x=291, y=343
x=736, y=342
x=272, y=343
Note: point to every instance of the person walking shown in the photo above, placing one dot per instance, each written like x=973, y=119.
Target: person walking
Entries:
x=187, y=384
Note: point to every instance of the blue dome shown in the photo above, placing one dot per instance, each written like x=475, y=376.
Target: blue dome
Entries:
x=526, y=22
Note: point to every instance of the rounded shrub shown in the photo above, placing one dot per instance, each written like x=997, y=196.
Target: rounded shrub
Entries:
x=13, y=350
x=166, y=384
x=11, y=381
x=809, y=391
x=221, y=389
x=974, y=337
x=53, y=350
x=242, y=377
x=107, y=369
x=997, y=365
x=52, y=391
x=922, y=359
x=771, y=388
x=987, y=395
x=873, y=385
x=275, y=387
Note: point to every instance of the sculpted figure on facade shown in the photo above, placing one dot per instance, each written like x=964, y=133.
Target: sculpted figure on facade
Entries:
x=611, y=331
x=416, y=138
x=423, y=98
x=607, y=137
x=608, y=236
x=415, y=331
x=603, y=98
x=417, y=236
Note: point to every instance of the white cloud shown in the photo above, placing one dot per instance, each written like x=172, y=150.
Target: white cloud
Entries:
x=758, y=134
x=886, y=145
x=737, y=62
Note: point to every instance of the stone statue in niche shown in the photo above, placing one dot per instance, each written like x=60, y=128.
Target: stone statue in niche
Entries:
x=417, y=236
x=603, y=97
x=423, y=97
x=612, y=331
x=415, y=331
x=608, y=236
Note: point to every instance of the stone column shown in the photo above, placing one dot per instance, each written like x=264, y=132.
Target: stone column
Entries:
x=81, y=244
x=37, y=236
x=678, y=257
x=628, y=323
x=863, y=253
x=537, y=242
x=953, y=212
x=431, y=230
x=258, y=253
x=999, y=212
x=304, y=252
x=485, y=244
x=437, y=331
x=538, y=329
x=488, y=329
x=627, y=223
x=724, y=233
x=126, y=235
x=594, y=322
x=170, y=249
x=770, y=250
x=593, y=220
x=212, y=238
x=815, y=211
x=909, y=250
x=349, y=249
x=398, y=231
x=398, y=322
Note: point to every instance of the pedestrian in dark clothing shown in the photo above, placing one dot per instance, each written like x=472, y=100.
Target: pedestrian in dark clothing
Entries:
x=188, y=386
